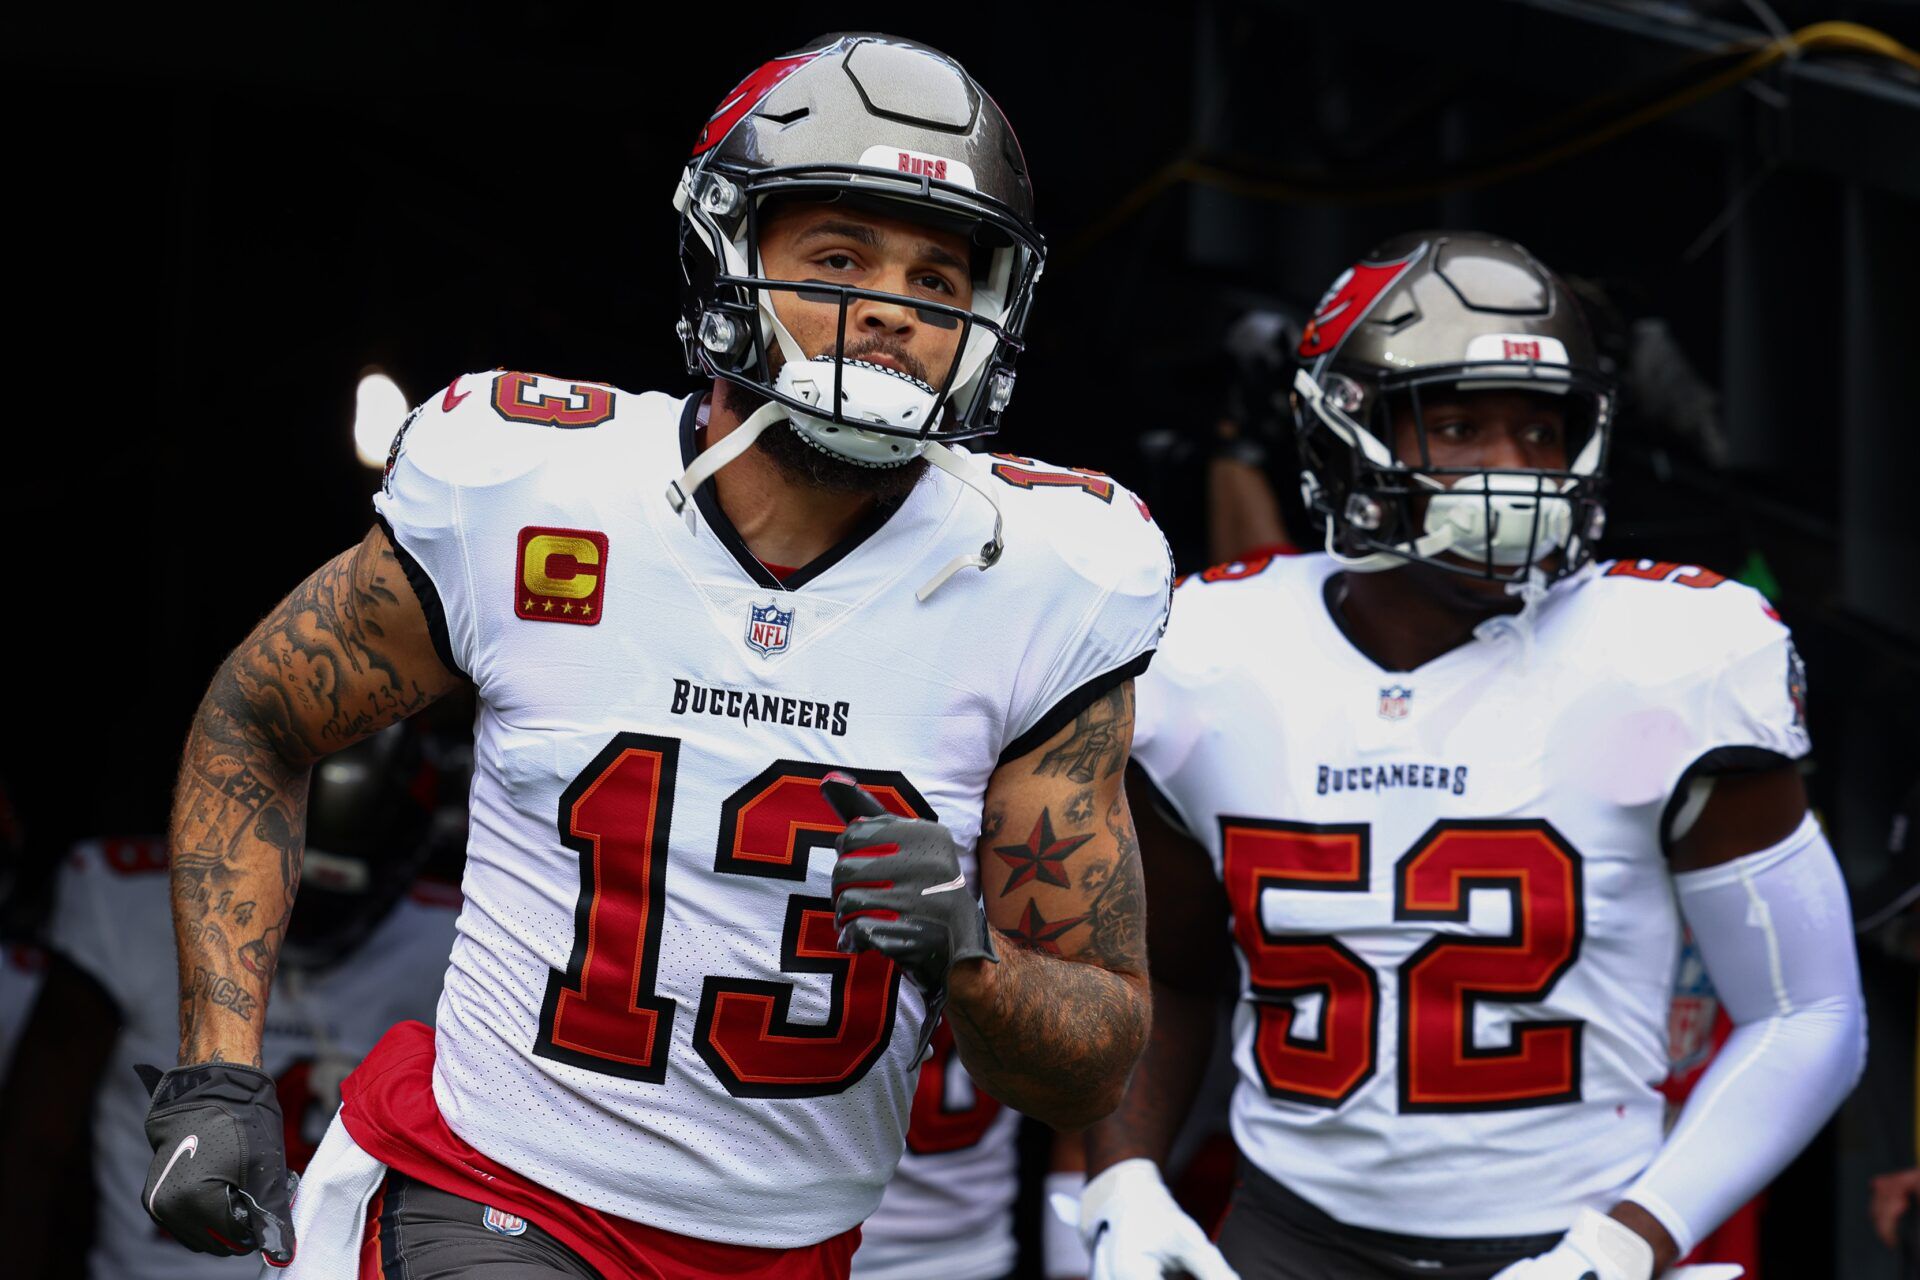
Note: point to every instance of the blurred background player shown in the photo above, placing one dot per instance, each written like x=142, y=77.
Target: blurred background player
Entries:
x=948, y=1212
x=22, y=961
x=364, y=950
x=677, y=1031
x=1453, y=776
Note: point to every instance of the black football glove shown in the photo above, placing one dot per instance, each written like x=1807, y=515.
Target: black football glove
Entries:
x=219, y=1180
x=898, y=890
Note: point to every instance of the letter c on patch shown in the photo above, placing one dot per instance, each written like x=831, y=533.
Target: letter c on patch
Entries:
x=537, y=567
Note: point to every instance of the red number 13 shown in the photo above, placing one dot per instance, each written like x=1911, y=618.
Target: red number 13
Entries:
x=603, y=1013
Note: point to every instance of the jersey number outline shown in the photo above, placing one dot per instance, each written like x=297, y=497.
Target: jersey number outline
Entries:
x=602, y=1013
x=1025, y=473
x=1440, y=985
x=548, y=410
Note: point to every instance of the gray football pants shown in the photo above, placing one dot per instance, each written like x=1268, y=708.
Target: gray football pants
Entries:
x=1270, y=1233
x=429, y=1234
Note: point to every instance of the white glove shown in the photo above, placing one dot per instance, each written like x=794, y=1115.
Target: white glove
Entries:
x=1597, y=1248
x=1062, y=1256
x=1134, y=1230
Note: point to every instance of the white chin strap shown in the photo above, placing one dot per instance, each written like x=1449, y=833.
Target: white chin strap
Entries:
x=740, y=439
x=989, y=554
x=1495, y=518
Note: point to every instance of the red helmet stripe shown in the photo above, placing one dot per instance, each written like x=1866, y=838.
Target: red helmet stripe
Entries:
x=1348, y=301
x=747, y=95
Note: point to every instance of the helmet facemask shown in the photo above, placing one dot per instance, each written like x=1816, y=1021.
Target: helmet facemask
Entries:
x=861, y=411
x=1495, y=523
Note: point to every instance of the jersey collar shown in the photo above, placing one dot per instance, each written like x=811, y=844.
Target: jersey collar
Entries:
x=736, y=546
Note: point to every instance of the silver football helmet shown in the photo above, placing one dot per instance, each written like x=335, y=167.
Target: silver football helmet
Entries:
x=1466, y=311
x=878, y=121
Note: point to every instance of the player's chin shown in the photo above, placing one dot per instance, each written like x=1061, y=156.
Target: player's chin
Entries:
x=803, y=461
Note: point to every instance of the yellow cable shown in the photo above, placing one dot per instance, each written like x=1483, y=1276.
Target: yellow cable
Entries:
x=1187, y=168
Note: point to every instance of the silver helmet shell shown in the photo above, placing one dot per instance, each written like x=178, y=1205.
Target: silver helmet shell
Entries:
x=1457, y=310
x=866, y=119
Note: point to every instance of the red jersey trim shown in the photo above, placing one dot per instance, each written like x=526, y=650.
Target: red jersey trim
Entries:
x=388, y=1108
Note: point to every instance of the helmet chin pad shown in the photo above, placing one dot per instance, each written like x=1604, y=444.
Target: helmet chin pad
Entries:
x=868, y=393
x=1502, y=518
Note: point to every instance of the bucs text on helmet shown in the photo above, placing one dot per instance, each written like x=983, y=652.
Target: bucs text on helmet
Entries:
x=875, y=121
x=1453, y=311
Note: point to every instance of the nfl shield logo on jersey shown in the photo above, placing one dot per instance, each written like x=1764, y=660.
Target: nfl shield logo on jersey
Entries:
x=1393, y=702
x=769, y=628
x=502, y=1223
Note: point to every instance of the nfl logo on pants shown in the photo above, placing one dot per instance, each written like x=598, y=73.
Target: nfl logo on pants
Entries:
x=769, y=628
x=500, y=1222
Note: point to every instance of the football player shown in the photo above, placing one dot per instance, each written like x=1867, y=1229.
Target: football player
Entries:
x=678, y=1034
x=948, y=1212
x=363, y=952
x=1462, y=785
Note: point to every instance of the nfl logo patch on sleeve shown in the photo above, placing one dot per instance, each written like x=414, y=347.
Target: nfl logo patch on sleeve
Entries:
x=562, y=575
x=769, y=628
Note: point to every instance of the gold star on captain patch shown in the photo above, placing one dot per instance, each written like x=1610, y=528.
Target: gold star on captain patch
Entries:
x=527, y=604
x=546, y=606
x=567, y=607
x=587, y=608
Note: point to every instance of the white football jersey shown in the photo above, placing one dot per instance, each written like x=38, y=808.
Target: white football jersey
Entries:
x=646, y=1011
x=948, y=1213
x=1455, y=923
x=113, y=918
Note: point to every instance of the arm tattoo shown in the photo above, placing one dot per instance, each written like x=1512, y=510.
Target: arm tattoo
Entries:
x=1058, y=1023
x=1117, y=937
x=1051, y=1027
x=1041, y=858
x=316, y=675
x=1097, y=747
x=1038, y=933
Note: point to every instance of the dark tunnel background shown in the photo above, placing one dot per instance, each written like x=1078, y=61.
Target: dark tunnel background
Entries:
x=216, y=225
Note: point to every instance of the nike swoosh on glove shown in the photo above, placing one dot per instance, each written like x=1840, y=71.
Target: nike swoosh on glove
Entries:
x=219, y=1178
x=1135, y=1231
x=898, y=889
x=1596, y=1248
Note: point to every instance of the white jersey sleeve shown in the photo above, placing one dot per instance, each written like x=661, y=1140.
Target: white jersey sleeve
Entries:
x=1174, y=706
x=452, y=454
x=1112, y=580
x=1725, y=667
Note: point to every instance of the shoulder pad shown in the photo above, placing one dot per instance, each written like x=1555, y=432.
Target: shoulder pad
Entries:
x=1686, y=612
x=485, y=428
x=1671, y=572
x=1229, y=571
x=1094, y=524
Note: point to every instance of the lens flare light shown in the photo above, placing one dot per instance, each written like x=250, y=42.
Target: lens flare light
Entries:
x=380, y=406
